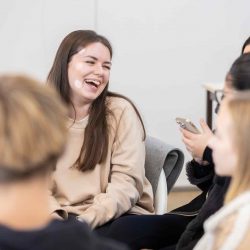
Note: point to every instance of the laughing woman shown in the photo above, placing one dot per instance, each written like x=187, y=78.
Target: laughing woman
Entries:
x=101, y=175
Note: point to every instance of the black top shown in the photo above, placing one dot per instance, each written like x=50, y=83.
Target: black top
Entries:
x=63, y=235
x=207, y=203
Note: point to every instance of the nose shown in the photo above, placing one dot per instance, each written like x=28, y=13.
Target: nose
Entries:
x=98, y=69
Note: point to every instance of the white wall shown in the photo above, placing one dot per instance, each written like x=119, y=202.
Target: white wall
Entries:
x=163, y=49
x=31, y=31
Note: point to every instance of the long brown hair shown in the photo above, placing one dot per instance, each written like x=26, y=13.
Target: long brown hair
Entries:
x=96, y=136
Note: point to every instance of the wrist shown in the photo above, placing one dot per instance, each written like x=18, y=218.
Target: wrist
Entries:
x=201, y=162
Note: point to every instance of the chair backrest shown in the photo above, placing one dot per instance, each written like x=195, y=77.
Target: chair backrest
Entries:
x=163, y=165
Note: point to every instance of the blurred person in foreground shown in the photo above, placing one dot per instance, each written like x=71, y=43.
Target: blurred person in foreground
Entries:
x=32, y=137
x=229, y=228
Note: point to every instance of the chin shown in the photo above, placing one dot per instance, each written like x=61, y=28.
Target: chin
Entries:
x=221, y=171
x=90, y=98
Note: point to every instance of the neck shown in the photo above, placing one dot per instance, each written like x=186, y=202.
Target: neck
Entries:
x=80, y=110
x=25, y=205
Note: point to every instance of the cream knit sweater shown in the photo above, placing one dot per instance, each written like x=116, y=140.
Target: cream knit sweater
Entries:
x=228, y=228
x=114, y=187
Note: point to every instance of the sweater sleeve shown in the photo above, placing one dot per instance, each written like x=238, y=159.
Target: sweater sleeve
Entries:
x=199, y=175
x=127, y=171
x=54, y=205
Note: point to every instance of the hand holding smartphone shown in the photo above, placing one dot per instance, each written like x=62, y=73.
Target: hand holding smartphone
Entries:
x=188, y=125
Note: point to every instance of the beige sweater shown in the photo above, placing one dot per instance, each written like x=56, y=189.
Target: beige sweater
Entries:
x=113, y=188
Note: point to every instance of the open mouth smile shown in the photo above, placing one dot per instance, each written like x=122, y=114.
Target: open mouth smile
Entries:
x=93, y=82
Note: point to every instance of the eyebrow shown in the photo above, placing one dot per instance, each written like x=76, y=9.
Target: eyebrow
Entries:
x=94, y=58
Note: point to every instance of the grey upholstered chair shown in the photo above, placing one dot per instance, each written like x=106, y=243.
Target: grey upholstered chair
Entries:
x=163, y=166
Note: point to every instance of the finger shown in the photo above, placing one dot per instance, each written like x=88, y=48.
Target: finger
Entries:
x=187, y=134
x=204, y=126
x=189, y=151
x=187, y=142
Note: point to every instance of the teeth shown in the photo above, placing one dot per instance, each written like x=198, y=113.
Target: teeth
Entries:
x=93, y=81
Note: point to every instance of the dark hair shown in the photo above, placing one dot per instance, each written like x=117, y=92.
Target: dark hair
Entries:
x=239, y=74
x=95, y=146
x=247, y=42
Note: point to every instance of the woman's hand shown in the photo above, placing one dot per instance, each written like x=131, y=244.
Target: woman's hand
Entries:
x=56, y=216
x=196, y=143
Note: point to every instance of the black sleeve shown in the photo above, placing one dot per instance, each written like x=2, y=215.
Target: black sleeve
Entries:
x=207, y=155
x=190, y=246
x=200, y=175
x=213, y=203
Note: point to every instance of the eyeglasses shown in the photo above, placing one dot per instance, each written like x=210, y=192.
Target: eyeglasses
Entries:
x=219, y=95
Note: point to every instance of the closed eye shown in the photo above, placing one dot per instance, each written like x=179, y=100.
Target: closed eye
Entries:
x=107, y=67
x=90, y=62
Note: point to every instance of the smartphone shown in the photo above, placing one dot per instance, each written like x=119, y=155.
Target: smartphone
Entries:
x=187, y=124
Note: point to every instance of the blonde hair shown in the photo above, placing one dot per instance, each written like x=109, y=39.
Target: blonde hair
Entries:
x=239, y=109
x=32, y=126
